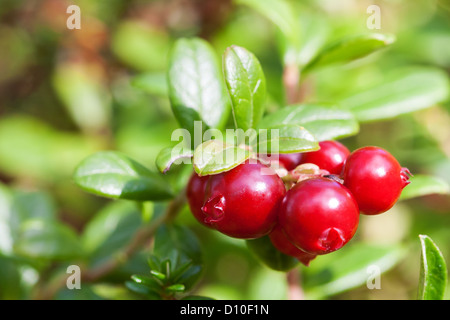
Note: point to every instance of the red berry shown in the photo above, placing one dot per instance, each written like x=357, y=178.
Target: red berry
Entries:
x=331, y=156
x=282, y=243
x=319, y=215
x=290, y=160
x=375, y=178
x=195, y=193
x=243, y=203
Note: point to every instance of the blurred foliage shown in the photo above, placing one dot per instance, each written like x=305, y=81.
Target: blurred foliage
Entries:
x=66, y=94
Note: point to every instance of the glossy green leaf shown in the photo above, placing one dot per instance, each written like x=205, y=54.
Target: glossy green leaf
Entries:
x=114, y=175
x=350, y=49
x=401, y=92
x=324, y=122
x=433, y=271
x=178, y=287
x=246, y=86
x=215, y=156
x=172, y=155
x=263, y=249
x=196, y=88
x=422, y=185
x=348, y=268
x=179, y=238
x=286, y=138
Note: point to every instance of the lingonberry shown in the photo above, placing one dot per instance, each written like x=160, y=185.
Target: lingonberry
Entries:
x=195, y=193
x=319, y=215
x=331, y=156
x=282, y=244
x=243, y=202
x=290, y=160
x=375, y=178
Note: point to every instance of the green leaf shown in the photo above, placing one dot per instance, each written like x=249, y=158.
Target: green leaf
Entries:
x=350, y=49
x=114, y=175
x=401, y=92
x=433, y=271
x=110, y=229
x=282, y=15
x=172, y=155
x=422, y=185
x=179, y=238
x=263, y=249
x=246, y=85
x=45, y=240
x=285, y=139
x=324, y=122
x=196, y=87
x=348, y=268
x=152, y=83
x=215, y=156
x=176, y=288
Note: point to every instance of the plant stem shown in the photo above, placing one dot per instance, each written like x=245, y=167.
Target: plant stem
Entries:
x=291, y=82
x=295, y=291
x=140, y=238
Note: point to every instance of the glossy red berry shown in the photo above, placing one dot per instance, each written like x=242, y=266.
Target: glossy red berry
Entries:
x=319, y=215
x=331, y=156
x=243, y=202
x=282, y=243
x=195, y=193
x=375, y=178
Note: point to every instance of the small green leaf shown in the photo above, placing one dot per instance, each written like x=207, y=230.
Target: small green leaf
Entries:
x=433, y=271
x=350, y=49
x=114, y=175
x=288, y=138
x=263, y=249
x=146, y=281
x=324, y=122
x=172, y=155
x=215, y=156
x=176, y=288
x=158, y=275
x=246, y=85
x=401, y=92
x=422, y=185
x=196, y=87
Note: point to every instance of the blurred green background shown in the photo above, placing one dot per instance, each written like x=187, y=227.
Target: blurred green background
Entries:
x=65, y=94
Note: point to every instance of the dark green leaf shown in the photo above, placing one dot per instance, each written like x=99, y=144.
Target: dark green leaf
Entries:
x=270, y=256
x=176, y=288
x=285, y=139
x=142, y=289
x=196, y=87
x=350, y=49
x=172, y=155
x=215, y=156
x=246, y=85
x=324, y=122
x=433, y=271
x=114, y=175
x=422, y=185
x=399, y=93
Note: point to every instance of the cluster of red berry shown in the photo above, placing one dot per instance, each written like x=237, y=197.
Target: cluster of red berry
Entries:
x=310, y=206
